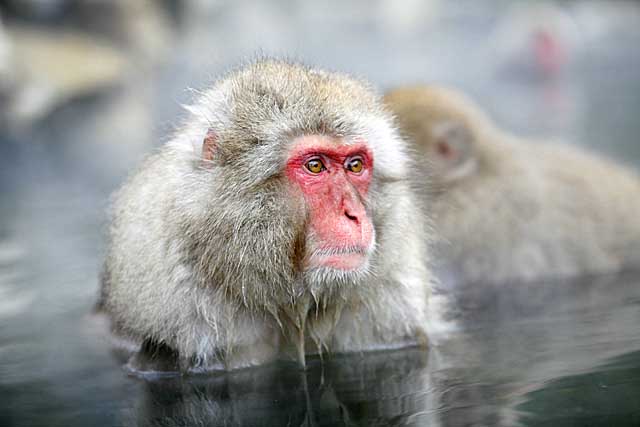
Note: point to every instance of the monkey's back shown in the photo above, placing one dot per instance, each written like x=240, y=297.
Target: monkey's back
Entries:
x=143, y=269
x=539, y=210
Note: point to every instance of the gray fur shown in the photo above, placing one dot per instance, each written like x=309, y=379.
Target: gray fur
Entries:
x=527, y=210
x=204, y=257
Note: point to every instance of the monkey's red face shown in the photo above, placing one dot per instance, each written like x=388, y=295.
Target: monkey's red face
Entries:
x=334, y=179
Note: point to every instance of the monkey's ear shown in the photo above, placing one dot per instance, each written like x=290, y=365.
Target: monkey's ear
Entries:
x=209, y=145
x=452, y=150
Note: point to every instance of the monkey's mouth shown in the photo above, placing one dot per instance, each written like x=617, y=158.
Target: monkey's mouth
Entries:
x=348, y=258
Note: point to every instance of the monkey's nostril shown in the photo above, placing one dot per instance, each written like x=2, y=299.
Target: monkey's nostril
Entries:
x=351, y=217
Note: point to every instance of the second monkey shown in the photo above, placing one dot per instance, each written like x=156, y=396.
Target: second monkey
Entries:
x=507, y=209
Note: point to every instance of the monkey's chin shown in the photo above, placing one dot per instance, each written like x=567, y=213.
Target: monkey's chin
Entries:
x=345, y=260
x=324, y=277
x=331, y=269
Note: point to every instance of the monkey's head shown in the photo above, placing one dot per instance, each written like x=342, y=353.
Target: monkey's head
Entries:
x=293, y=170
x=444, y=125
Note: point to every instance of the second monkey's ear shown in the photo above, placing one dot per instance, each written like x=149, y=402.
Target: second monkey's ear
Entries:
x=451, y=151
x=209, y=146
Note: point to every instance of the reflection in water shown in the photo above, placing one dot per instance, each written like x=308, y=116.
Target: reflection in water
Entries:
x=517, y=339
x=389, y=388
x=609, y=395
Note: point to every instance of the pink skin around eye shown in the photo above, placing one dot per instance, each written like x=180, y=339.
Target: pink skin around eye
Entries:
x=341, y=230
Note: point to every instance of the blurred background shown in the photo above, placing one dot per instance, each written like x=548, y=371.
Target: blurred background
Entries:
x=114, y=72
x=88, y=87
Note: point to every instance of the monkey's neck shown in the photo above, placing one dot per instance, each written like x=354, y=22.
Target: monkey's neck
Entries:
x=308, y=325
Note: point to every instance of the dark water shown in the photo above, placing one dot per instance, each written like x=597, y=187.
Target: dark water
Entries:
x=556, y=353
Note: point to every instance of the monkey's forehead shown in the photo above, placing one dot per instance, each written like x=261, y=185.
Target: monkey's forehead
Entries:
x=271, y=97
x=294, y=89
x=256, y=108
x=288, y=76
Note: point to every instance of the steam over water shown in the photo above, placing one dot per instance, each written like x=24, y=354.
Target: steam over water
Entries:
x=550, y=353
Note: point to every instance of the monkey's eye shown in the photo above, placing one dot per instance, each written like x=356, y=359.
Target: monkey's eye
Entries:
x=315, y=166
x=355, y=165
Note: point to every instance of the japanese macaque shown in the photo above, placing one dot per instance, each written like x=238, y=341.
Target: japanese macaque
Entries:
x=279, y=221
x=512, y=210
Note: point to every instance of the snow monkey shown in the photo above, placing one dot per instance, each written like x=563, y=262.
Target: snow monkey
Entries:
x=280, y=221
x=507, y=209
